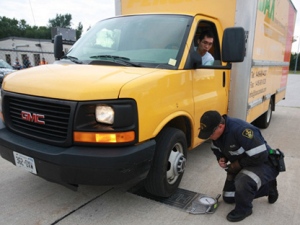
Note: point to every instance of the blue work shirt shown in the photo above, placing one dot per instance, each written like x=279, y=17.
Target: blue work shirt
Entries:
x=241, y=141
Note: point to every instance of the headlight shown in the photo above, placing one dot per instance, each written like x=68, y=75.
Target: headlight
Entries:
x=104, y=114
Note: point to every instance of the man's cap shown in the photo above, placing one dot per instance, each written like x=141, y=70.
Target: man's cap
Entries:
x=208, y=122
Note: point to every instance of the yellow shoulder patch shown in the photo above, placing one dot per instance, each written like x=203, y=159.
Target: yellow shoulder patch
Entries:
x=248, y=133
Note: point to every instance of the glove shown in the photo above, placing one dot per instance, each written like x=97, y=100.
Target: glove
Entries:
x=234, y=167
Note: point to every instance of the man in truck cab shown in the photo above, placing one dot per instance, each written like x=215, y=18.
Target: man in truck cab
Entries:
x=242, y=151
x=205, y=42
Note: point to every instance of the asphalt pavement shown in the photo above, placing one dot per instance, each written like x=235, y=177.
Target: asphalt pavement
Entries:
x=27, y=199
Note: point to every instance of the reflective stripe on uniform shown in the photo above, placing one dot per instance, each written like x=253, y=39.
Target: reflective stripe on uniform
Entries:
x=229, y=194
x=253, y=176
x=215, y=147
x=240, y=151
x=257, y=150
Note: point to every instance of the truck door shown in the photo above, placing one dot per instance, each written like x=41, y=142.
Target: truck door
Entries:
x=211, y=82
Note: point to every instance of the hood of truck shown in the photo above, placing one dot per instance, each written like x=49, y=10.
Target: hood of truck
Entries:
x=73, y=82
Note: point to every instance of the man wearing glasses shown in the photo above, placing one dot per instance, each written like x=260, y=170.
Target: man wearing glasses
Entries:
x=205, y=43
x=242, y=151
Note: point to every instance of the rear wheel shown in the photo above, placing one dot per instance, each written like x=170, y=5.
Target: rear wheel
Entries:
x=168, y=164
x=265, y=119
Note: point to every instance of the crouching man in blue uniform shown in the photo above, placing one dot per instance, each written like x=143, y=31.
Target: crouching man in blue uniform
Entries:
x=242, y=151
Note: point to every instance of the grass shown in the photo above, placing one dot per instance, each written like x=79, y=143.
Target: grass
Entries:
x=293, y=72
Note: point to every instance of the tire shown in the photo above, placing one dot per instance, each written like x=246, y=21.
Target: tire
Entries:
x=168, y=164
x=265, y=119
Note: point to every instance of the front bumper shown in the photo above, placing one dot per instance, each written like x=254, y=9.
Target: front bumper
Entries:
x=80, y=164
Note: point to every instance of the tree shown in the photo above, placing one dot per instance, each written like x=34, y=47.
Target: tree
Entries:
x=293, y=62
x=9, y=27
x=79, y=31
x=14, y=28
x=23, y=25
x=63, y=21
x=37, y=32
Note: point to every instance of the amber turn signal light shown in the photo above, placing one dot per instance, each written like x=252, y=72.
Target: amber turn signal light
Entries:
x=94, y=137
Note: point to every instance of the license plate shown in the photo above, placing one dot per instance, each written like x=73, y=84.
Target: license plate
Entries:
x=25, y=162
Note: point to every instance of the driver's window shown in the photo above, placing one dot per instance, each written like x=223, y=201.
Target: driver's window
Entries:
x=206, y=43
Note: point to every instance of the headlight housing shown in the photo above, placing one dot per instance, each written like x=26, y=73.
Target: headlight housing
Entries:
x=107, y=122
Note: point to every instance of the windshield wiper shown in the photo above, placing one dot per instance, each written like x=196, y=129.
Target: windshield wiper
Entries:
x=72, y=58
x=116, y=59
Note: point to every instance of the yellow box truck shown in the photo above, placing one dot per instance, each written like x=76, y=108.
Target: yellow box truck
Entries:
x=124, y=103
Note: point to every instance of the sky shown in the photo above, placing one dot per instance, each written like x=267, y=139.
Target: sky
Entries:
x=88, y=12
x=38, y=12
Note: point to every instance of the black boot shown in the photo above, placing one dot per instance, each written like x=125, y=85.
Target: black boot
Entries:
x=273, y=192
x=235, y=216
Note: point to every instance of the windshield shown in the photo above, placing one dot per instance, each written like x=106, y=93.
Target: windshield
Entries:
x=142, y=40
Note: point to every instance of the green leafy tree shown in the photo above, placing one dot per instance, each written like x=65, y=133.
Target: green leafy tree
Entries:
x=23, y=25
x=12, y=27
x=293, y=62
x=37, y=32
x=9, y=27
x=79, y=30
x=44, y=32
x=63, y=21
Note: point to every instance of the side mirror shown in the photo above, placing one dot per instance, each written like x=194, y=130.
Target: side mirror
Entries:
x=58, y=47
x=233, y=45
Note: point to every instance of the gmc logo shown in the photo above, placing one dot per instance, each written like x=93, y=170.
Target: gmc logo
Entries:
x=32, y=117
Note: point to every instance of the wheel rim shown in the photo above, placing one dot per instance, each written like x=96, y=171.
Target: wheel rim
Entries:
x=176, y=163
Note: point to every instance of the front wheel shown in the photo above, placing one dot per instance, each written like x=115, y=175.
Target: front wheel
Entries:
x=168, y=164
